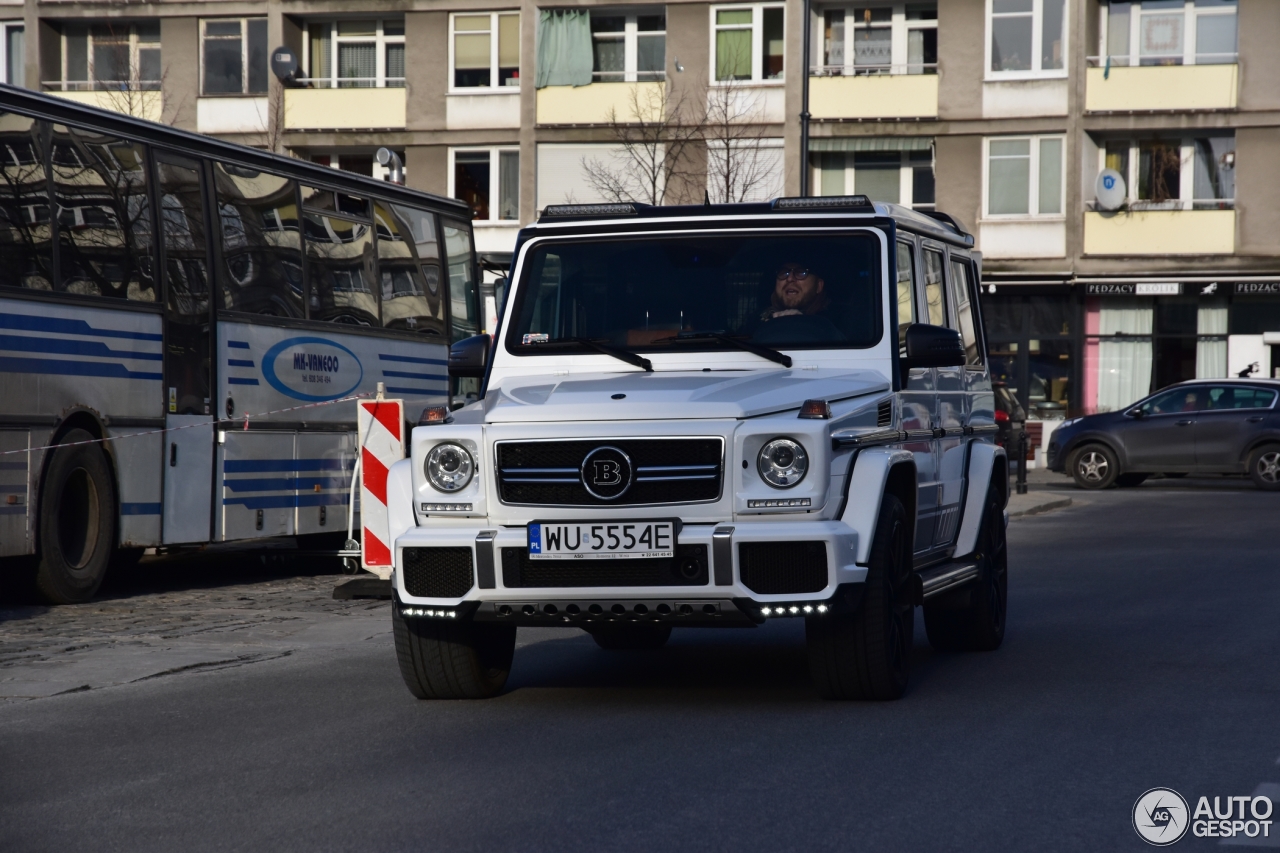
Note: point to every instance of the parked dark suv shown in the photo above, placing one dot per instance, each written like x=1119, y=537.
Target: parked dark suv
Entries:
x=1221, y=426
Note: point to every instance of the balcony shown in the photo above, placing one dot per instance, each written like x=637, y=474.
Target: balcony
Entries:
x=344, y=109
x=1161, y=87
x=592, y=104
x=866, y=96
x=144, y=103
x=1160, y=232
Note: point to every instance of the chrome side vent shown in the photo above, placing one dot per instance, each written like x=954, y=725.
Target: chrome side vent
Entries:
x=884, y=413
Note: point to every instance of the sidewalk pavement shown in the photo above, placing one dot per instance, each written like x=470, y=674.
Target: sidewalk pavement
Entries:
x=1046, y=491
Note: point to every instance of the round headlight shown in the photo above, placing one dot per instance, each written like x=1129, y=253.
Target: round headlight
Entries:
x=449, y=467
x=782, y=463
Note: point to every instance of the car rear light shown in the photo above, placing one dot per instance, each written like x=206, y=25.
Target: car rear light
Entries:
x=1002, y=417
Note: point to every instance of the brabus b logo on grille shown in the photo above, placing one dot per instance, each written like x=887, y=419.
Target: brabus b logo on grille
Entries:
x=606, y=473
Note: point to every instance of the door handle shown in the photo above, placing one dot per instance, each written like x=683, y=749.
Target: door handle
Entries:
x=1256, y=419
x=173, y=454
x=1184, y=423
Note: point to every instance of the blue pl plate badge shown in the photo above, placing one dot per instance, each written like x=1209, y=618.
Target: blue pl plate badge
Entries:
x=535, y=538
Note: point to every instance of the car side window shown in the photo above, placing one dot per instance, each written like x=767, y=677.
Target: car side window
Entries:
x=933, y=287
x=906, y=290
x=1219, y=397
x=1174, y=401
x=961, y=290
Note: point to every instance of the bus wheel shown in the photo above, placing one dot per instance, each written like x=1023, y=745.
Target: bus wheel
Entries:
x=77, y=522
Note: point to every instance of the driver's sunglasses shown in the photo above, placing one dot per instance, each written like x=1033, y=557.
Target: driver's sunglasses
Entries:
x=797, y=274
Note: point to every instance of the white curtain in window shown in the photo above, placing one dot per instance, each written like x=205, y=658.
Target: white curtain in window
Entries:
x=1124, y=366
x=1211, y=356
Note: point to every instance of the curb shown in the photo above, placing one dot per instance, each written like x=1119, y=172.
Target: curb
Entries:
x=1044, y=507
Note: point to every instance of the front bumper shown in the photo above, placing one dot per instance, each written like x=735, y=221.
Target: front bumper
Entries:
x=722, y=596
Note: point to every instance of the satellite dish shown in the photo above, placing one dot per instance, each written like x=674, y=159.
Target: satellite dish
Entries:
x=284, y=64
x=1110, y=190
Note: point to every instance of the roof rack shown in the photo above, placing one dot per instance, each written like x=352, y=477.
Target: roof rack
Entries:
x=829, y=202
x=947, y=219
x=620, y=209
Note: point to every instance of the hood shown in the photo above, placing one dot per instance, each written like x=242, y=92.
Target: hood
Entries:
x=685, y=395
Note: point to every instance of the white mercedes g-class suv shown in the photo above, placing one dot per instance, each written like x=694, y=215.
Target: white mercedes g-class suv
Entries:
x=712, y=416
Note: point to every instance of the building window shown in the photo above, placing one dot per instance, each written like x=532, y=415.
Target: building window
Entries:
x=355, y=54
x=1026, y=37
x=1195, y=173
x=627, y=48
x=486, y=50
x=488, y=180
x=1031, y=350
x=105, y=57
x=234, y=56
x=1169, y=32
x=889, y=39
x=1024, y=176
x=896, y=177
x=12, y=53
x=748, y=42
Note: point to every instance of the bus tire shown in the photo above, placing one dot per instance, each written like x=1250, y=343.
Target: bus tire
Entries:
x=77, y=522
x=452, y=660
x=866, y=654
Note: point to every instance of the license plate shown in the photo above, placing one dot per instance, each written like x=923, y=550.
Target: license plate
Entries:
x=619, y=541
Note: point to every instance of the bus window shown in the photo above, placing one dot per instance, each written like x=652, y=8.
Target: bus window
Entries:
x=464, y=309
x=186, y=350
x=328, y=201
x=409, y=270
x=340, y=265
x=104, y=216
x=261, y=242
x=26, y=250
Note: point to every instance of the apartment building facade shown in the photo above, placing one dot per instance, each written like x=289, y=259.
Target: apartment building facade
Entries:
x=1005, y=114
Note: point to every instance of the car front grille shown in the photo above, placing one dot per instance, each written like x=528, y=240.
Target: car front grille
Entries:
x=664, y=471
x=437, y=572
x=687, y=568
x=783, y=568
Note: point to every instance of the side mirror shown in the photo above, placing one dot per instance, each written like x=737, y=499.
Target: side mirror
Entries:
x=468, y=357
x=933, y=346
x=1137, y=414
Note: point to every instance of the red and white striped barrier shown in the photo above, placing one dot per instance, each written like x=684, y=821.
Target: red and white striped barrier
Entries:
x=380, y=431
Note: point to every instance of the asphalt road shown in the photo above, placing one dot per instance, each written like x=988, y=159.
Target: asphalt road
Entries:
x=1142, y=652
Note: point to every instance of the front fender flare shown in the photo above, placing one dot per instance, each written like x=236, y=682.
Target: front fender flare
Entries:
x=866, y=489
x=983, y=460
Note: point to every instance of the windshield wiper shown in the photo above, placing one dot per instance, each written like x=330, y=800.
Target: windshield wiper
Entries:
x=618, y=353
x=745, y=346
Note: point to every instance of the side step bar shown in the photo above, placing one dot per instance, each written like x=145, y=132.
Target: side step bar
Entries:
x=936, y=580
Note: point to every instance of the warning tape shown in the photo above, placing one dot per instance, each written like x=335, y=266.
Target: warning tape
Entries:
x=247, y=417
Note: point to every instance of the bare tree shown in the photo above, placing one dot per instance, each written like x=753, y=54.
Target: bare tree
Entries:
x=273, y=121
x=653, y=139
x=738, y=165
x=125, y=77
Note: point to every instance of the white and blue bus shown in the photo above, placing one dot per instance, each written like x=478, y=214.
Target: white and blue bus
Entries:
x=178, y=316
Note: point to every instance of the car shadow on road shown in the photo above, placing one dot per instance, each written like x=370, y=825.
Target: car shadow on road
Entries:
x=769, y=663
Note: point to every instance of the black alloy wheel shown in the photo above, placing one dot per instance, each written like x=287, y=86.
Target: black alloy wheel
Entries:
x=973, y=618
x=452, y=660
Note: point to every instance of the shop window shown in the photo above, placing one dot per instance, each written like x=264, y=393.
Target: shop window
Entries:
x=234, y=56
x=749, y=42
x=488, y=180
x=261, y=242
x=110, y=57
x=485, y=50
x=1169, y=32
x=1196, y=173
x=1025, y=176
x=1026, y=38
x=628, y=47
x=881, y=39
x=355, y=54
x=1031, y=351
x=896, y=177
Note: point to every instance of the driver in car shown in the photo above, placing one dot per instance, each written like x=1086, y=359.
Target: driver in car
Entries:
x=797, y=309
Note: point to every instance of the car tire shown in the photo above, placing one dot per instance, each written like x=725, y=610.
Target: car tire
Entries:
x=1094, y=466
x=866, y=653
x=77, y=523
x=1128, y=481
x=973, y=619
x=630, y=638
x=1264, y=467
x=452, y=660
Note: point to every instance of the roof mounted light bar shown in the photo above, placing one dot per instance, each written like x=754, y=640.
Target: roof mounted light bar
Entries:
x=623, y=209
x=829, y=202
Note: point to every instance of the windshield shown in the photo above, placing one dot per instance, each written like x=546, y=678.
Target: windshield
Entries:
x=700, y=292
